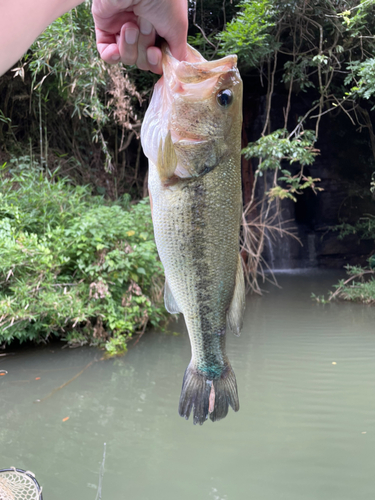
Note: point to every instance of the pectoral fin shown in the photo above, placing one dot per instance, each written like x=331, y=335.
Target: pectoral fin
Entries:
x=167, y=159
x=237, y=307
x=196, y=158
x=169, y=301
x=185, y=159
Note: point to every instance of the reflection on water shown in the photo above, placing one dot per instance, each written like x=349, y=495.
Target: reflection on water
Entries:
x=305, y=430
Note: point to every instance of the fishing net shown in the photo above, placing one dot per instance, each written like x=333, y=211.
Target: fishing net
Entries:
x=17, y=484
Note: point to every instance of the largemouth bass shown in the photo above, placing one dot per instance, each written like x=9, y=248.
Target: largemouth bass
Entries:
x=191, y=135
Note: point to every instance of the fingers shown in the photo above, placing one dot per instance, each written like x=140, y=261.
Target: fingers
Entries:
x=173, y=26
x=107, y=33
x=146, y=48
x=132, y=44
x=146, y=38
x=107, y=47
x=125, y=30
x=178, y=48
x=154, y=59
x=127, y=43
x=136, y=46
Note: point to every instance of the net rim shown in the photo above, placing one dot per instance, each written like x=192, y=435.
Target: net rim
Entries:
x=28, y=473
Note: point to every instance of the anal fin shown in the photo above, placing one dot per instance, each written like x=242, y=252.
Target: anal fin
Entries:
x=237, y=307
x=169, y=301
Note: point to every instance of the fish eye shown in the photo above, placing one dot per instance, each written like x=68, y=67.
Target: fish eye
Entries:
x=224, y=98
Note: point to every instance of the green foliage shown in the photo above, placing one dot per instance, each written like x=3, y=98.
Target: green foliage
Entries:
x=248, y=34
x=320, y=299
x=37, y=203
x=207, y=19
x=363, y=74
x=277, y=147
x=66, y=51
x=305, y=46
x=372, y=183
x=360, y=287
x=294, y=185
x=74, y=265
x=357, y=19
x=4, y=119
x=75, y=106
x=364, y=228
x=116, y=346
x=298, y=71
x=358, y=291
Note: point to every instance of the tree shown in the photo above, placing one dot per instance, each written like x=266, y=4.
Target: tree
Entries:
x=69, y=108
x=323, y=48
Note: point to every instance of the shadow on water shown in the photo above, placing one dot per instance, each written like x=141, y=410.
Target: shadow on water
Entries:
x=305, y=429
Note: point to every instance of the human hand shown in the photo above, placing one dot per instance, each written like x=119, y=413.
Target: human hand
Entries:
x=126, y=29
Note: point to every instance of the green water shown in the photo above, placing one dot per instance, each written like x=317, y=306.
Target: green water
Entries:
x=305, y=429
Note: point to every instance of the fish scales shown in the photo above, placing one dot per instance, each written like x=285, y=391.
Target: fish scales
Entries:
x=190, y=244
x=196, y=209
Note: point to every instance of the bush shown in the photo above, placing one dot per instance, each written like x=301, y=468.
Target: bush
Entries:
x=74, y=265
x=359, y=287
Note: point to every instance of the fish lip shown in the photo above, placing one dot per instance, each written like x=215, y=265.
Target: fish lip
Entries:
x=188, y=138
x=193, y=139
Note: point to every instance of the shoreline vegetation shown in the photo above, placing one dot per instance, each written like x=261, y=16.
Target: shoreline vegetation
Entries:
x=359, y=287
x=73, y=265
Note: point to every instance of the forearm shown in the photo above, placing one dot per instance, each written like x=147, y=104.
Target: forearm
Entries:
x=22, y=21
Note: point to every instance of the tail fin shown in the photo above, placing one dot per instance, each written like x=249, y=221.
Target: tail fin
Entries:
x=210, y=398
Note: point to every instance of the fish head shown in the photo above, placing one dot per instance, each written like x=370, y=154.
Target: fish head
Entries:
x=199, y=104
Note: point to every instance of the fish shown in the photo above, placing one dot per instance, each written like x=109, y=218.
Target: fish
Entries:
x=191, y=135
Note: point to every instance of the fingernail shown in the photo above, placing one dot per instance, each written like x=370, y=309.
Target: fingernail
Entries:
x=131, y=36
x=152, y=58
x=145, y=26
x=115, y=57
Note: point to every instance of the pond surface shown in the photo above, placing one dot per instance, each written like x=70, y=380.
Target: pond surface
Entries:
x=305, y=429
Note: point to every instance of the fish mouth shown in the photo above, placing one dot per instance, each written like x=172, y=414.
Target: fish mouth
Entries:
x=196, y=78
x=193, y=138
x=196, y=68
x=188, y=138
